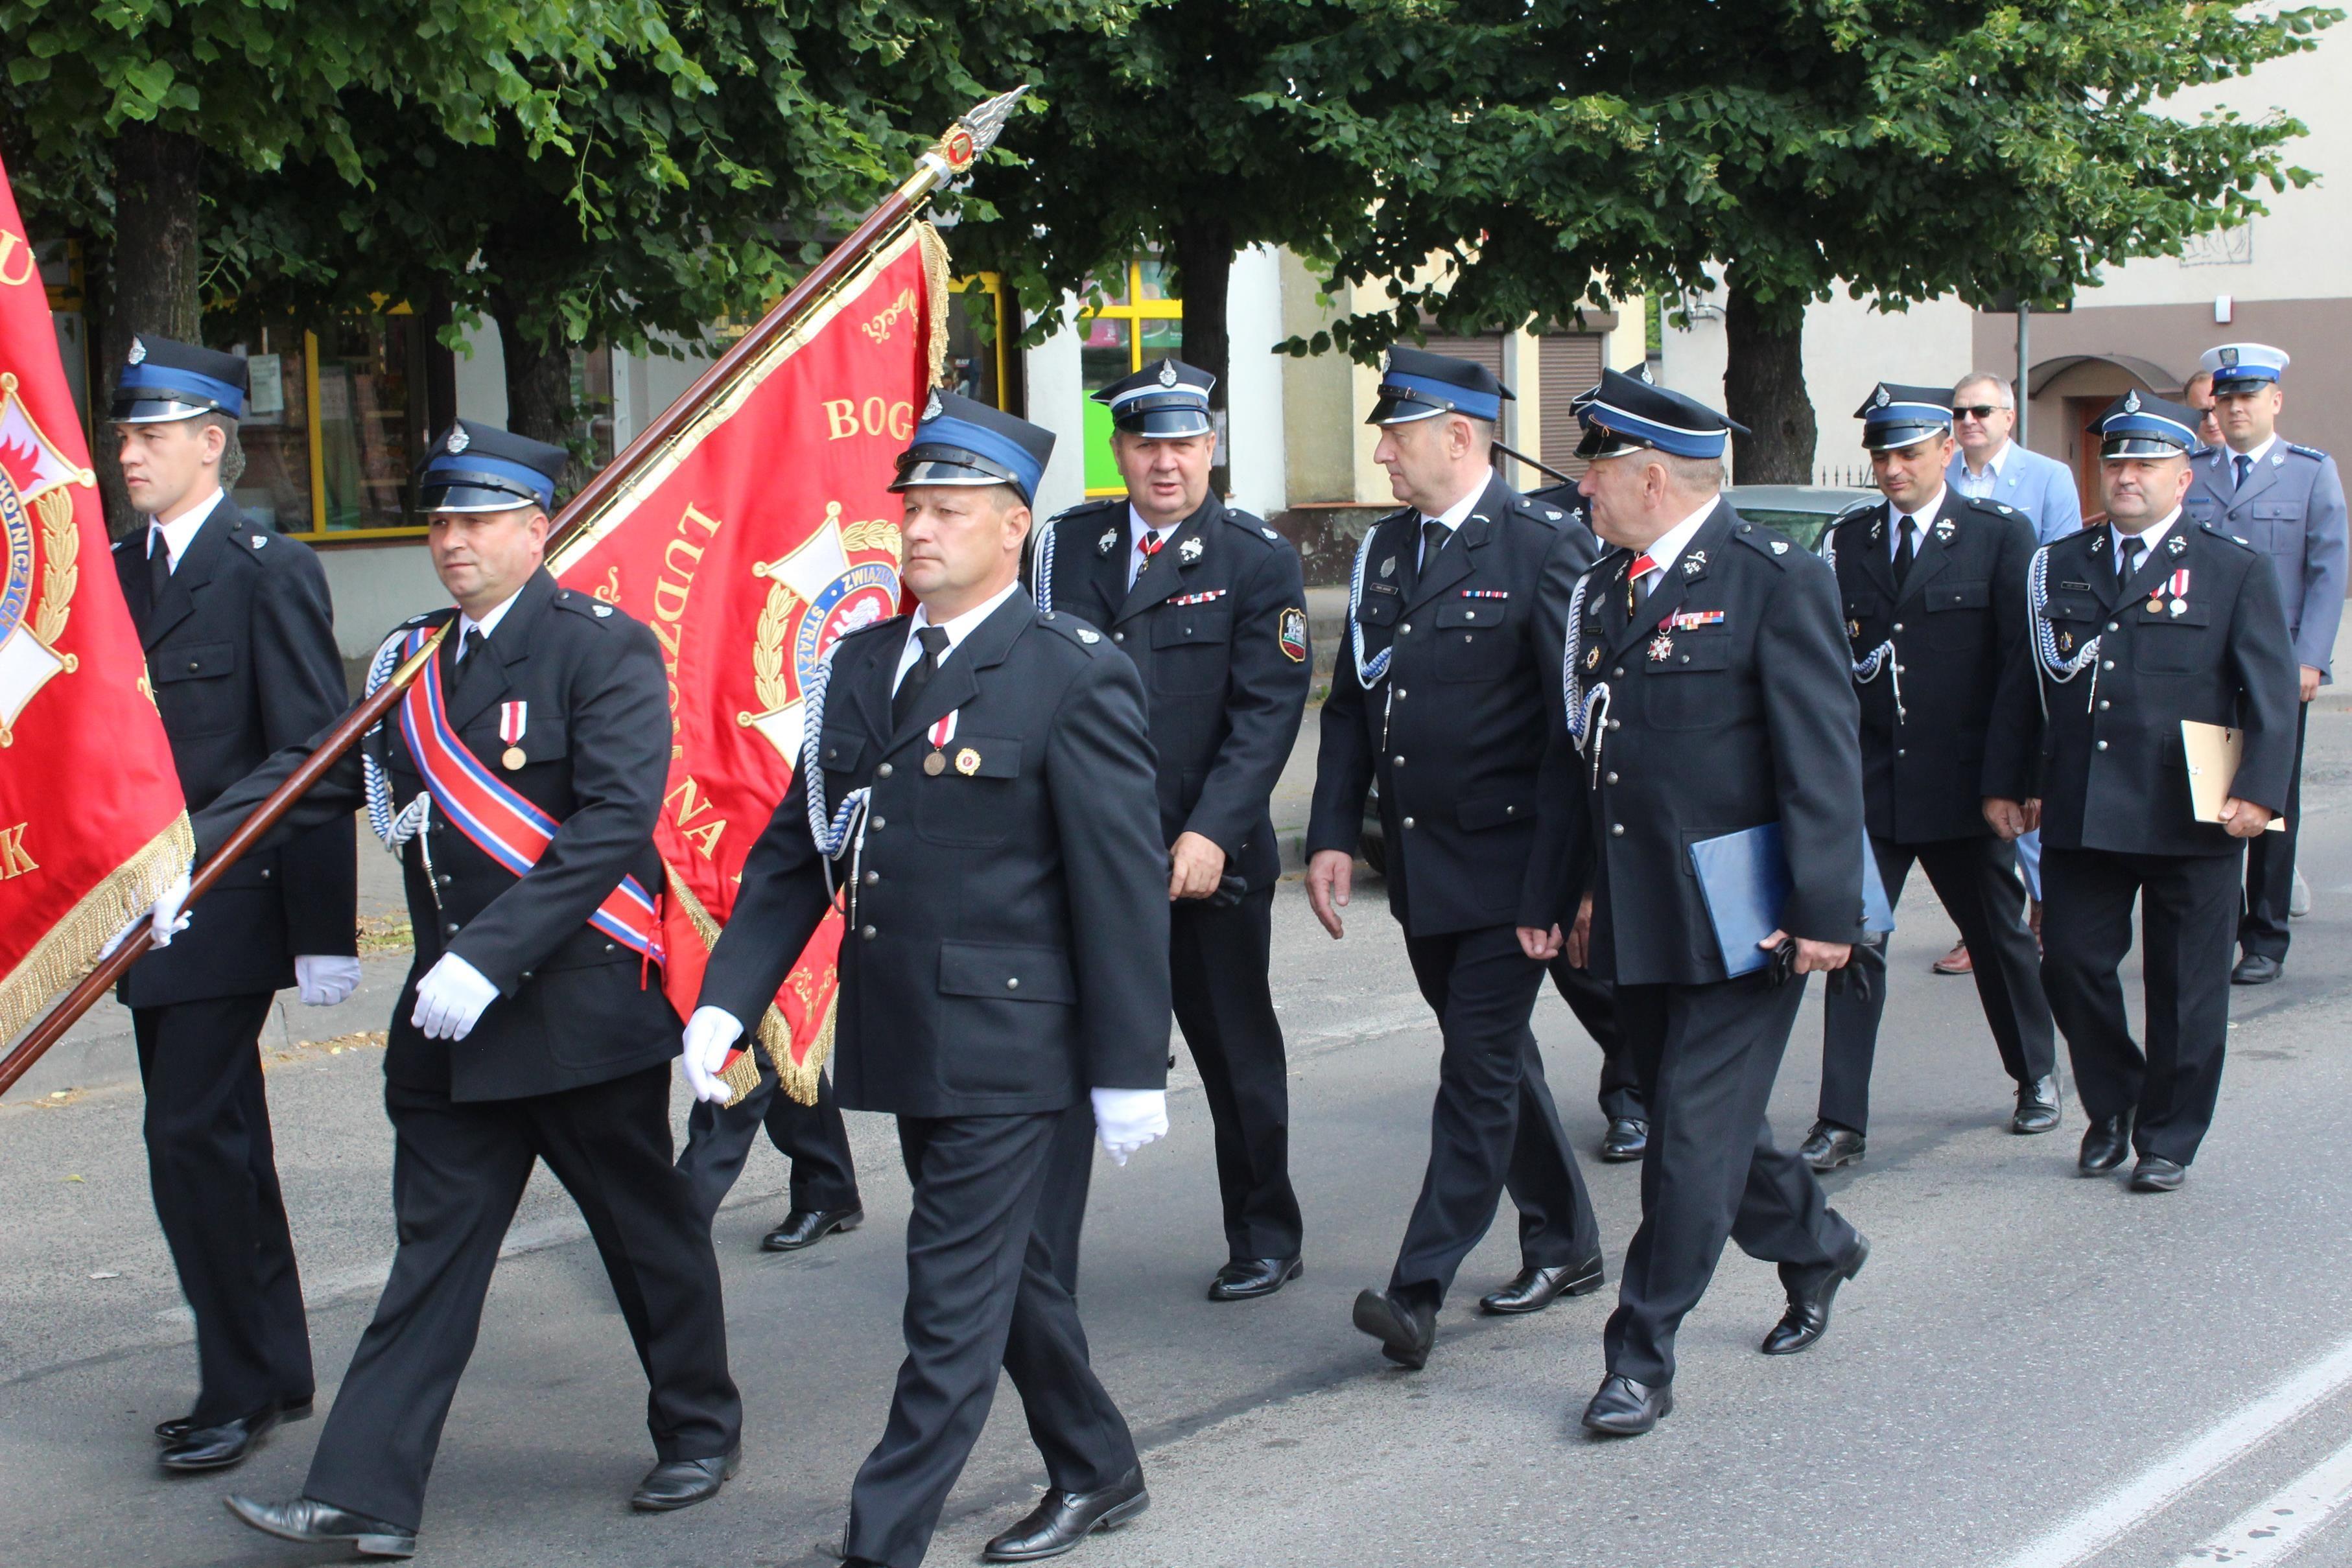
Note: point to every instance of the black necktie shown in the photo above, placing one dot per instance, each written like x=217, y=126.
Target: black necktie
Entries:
x=1906, y=551
x=2131, y=555
x=470, y=659
x=159, y=569
x=2245, y=468
x=935, y=647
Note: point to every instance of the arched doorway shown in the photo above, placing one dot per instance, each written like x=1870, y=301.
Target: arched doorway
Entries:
x=2066, y=394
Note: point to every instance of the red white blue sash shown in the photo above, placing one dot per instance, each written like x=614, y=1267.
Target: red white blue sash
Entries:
x=502, y=824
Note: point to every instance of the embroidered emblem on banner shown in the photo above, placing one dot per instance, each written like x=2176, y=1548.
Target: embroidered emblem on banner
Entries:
x=817, y=596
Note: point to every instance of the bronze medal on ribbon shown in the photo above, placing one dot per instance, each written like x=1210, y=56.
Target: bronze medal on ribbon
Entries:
x=935, y=764
x=513, y=758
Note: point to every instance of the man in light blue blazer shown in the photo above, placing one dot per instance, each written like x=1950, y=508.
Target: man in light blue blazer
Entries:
x=1989, y=465
x=2287, y=501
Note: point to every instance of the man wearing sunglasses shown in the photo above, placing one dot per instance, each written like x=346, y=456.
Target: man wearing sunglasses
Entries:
x=1991, y=467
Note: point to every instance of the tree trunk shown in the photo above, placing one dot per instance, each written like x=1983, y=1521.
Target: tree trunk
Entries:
x=150, y=285
x=1764, y=389
x=538, y=382
x=1204, y=267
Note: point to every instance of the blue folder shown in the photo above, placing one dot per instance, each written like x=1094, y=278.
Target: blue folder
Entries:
x=1744, y=877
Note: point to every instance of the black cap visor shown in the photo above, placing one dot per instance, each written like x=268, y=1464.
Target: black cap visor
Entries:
x=1895, y=437
x=1600, y=441
x=2139, y=444
x=932, y=463
x=1402, y=405
x=148, y=408
x=1169, y=423
x=467, y=492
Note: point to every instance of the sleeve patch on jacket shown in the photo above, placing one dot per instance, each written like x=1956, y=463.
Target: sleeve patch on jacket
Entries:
x=1292, y=635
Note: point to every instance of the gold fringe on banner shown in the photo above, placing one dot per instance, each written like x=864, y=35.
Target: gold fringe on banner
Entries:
x=775, y=1034
x=938, y=276
x=67, y=953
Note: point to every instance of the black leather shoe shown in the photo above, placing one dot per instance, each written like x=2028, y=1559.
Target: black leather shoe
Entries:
x=682, y=1483
x=1624, y=1409
x=2257, y=970
x=1626, y=1139
x=179, y=1427
x=2155, y=1173
x=1829, y=1145
x=1808, y=1317
x=1406, y=1331
x=1246, y=1279
x=807, y=1226
x=1533, y=1290
x=2106, y=1144
x=2037, y=1106
x=308, y=1520
x=1062, y=1519
x=218, y=1447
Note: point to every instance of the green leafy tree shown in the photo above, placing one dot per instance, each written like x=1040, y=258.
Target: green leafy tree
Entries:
x=1559, y=154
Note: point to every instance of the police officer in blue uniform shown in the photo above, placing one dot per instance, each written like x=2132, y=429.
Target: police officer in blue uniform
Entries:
x=240, y=644
x=2141, y=623
x=2287, y=501
x=1933, y=586
x=1207, y=601
x=1707, y=691
x=978, y=787
x=532, y=1027
x=1454, y=640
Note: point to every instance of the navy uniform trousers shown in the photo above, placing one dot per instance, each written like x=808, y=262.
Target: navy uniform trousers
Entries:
x=2270, y=866
x=1978, y=882
x=1708, y=1055
x=812, y=1137
x=1218, y=962
x=1593, y=1001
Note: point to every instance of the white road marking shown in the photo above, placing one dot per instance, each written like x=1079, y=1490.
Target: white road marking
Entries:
x=2280, y=1525
x=2100, y=1525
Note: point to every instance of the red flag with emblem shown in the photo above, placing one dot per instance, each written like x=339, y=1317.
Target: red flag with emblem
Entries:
x=758, y=537
x=93, y=826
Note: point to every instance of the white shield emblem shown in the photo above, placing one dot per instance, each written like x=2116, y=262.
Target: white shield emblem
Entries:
x=458, y=439
x=138, y=352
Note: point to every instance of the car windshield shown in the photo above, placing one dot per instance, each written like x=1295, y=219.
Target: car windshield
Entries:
x=1805, y=528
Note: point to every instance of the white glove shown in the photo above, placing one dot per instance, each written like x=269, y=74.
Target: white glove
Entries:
x=450, y=998
x=1127, y=1119
x=163, y=922
x=708, y=1033
x=326, y=978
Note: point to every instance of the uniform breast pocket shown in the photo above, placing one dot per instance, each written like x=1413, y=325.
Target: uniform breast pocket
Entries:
x=1688, y=688
x=2164, y=644
x=1476, y=639
x=842, y=754
x=1955, y=613
x=196, y=689
x=2276, y=525
x=1191, y=645
x=969, y=800
x=538, y=739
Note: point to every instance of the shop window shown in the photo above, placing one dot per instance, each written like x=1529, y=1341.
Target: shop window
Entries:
x=334, y=426
x=1139, y=320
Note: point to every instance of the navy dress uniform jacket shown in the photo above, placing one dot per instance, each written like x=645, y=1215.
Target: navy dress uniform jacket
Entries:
x=241, y=654
x=2115, y=772
x=1216, y=625
x=574, y=1007
x=2291, y=510
x=1007, y=949
x=1455, y=731
x=1746, y=719
x=1958, y=625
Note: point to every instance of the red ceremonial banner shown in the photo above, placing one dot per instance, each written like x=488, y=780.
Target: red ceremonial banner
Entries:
x=763, y=533
x=93, y=826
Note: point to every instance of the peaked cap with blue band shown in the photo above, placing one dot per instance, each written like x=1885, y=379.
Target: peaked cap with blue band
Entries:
x=1626, y=415
x=164, y=381
x=1418, y=385
x=962, y=441
x=1894, y=417
x=2241, y=367
x=1164, y=401
x=2138, y=425
x=475, y=467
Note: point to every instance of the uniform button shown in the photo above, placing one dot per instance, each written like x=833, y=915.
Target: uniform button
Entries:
x=883, y=772
x=1510, y=811
x=872, y=877
x=1617, y=672
x=1396, y=762
x=445, y=880
x=1898, y=625
x=877, y=825
x=2113, y=627
x=1399, y=693
x=1405, y=628
x=265, y=873
x=449, y=928
x=1686, y=659
x=1612, y=724
x=1012, y=982
x=526, y=974
x=608, y=947
x=1898, y=669
x=194, y=666
x=1408, y=822
x=1613, y=779
x=1616, y=829
x=2103, y=745
x=2106, y=664
x=866, y=934
x=1900, y=752
x=2103, y=705
x=1119, y=636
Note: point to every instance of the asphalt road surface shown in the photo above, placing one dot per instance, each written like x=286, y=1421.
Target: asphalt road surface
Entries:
x=2035, y=1371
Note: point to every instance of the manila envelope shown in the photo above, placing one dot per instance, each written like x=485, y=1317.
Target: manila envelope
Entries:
x=2213, y=753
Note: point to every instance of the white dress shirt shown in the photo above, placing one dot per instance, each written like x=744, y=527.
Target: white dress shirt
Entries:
x=1137, y=531
x=1982, y=483
x=1921, y=519
x=2229, y=466
x=963, y=626
x=181, y=531
x=1452, y=517
x=2151, y=535
x=1668, y=547
x=486, y=625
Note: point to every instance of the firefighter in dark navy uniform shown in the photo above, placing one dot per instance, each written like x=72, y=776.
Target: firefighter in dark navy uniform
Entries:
x=1438, y=694
x=1704, y=690
x=520, y=781
x=1933, y=587
x=1207, y=601
x=978, y=787
x=2141, y=623
x=241, y=651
